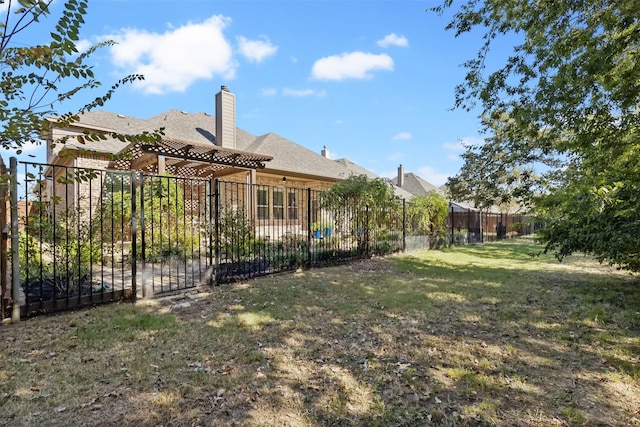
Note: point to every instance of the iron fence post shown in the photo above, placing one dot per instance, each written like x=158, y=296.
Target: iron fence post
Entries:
x=468, y=225
x=134, y=237
x=452, y=235
x=143, y=242
x=404, y=225
x=15, y=261
x=4, y=288
x=309, y=252
x=215, y=235
x=367, y=235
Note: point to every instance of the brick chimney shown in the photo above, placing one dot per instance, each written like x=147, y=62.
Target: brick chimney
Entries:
x=225, y=118
x=400, y=176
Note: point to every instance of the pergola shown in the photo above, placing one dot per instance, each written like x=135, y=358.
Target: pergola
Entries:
x=185, y=159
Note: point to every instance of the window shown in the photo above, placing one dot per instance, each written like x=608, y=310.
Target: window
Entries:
x=263, y=203
x=292, y=204
x=278, y=204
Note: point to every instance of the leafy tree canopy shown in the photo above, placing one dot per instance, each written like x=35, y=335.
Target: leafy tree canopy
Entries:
x=427, y=214
x=36, y=81
x=360, y=191
x=489, y=177
x=571, y=92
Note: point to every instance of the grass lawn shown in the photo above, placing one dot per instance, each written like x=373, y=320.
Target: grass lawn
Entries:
x=474, y=335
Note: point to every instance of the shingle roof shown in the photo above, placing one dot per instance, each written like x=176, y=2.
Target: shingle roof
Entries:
x=199, y=129
x=291, y=157
x=416, y=185
x=356, y=169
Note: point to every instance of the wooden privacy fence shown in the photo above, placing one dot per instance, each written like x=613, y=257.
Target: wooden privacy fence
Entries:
x=467, y=226
x=80, y=237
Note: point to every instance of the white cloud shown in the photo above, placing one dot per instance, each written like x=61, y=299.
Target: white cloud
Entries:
x=300, y=93
x=256, y=50
x=268, y=91
x=402, y=136
x=28, y=149
x=172, y=61
x=83, y=45
x=393, y=40
x=353, y=65
x=432, y=175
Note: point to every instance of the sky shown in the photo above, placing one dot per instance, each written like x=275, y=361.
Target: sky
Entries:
x=373, y=81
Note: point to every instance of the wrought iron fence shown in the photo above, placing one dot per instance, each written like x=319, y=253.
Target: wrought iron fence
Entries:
x=287, y=228
x=83, y=236
x=89, y=236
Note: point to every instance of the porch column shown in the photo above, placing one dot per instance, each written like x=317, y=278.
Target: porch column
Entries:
x=252, y=204
x=161, y=165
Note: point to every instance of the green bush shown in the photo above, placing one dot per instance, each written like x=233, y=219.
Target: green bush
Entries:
x=57, y=249
x=169, y=232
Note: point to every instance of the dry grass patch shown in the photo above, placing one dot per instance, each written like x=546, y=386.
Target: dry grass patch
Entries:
x=479, y=335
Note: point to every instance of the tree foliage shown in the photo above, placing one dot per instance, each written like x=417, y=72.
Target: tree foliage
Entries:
x=488, y=177
x=571, y=91
x=37, y=81
x=369, y=206
x=168, y=227
x=361, y=192
x=427, y=214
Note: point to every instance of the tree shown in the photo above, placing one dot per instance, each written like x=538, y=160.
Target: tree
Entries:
x=368, y=205
x=427, y=214
x=37, y=81
x=489, y=177
x=571, y=90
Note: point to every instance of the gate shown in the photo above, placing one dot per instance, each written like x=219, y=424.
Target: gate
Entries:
x=175, y=230
x=84, y=236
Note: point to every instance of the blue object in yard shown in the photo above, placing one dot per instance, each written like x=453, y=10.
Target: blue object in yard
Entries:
x=328, y=231
x=317, y=234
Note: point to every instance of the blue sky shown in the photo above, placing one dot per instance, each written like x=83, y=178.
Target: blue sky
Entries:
x=372, y=80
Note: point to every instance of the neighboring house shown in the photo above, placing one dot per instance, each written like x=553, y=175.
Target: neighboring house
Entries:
x=413, y=184
x=356, y=169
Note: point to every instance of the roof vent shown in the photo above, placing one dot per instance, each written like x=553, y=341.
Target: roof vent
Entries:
x=224, y=88
x=325, y=152
x=122, y=116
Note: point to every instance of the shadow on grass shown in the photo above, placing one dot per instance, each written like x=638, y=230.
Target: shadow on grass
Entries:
x=482, y=335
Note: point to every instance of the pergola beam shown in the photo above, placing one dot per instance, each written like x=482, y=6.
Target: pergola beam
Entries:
x=143, y=161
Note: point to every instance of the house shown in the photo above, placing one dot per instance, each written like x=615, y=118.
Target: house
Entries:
x=413, y=184
x=190, y=147
x=202, y=146
x=356, y=169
